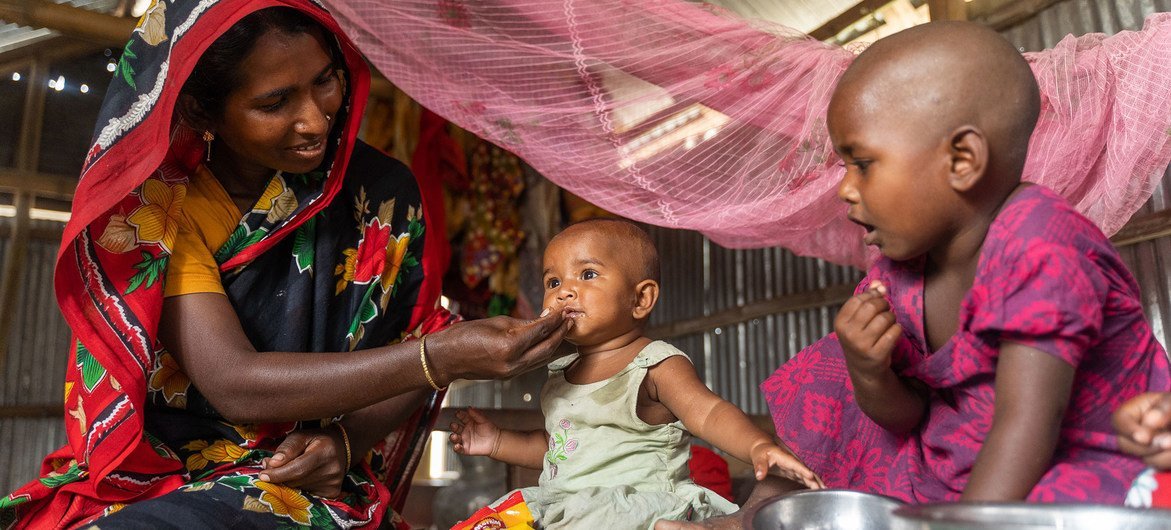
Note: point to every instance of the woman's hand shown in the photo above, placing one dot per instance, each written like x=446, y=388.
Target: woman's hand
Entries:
x=1143, y=424
x=495, y=348
x=867, y=330
x=313, y=460
x=473, y=434
x=766, y=454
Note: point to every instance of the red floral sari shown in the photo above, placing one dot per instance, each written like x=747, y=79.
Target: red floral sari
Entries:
x=337, y=259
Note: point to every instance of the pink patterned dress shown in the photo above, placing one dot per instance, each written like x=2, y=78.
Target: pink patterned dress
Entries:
x=1047, y=278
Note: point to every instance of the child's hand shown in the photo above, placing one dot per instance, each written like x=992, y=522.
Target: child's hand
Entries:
x=1144, y=428
x=473, y=434
x=867, y=330
x=313, y=460
x=767, y=454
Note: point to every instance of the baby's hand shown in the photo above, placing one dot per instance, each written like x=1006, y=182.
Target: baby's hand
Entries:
x=1144, y=428
x=867, y=330
x=767, y=454
x=313, y=460
x=473, y=434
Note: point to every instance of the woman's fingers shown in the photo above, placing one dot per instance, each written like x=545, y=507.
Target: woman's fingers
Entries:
x=290, y=448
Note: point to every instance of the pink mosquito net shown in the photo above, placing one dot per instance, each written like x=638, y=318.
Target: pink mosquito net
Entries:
x=679, y=115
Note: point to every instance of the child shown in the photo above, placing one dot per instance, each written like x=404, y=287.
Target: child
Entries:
x=617, y=413
x=1144, y=430
x=983, y=353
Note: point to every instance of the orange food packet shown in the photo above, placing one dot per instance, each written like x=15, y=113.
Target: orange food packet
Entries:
x=509, y=514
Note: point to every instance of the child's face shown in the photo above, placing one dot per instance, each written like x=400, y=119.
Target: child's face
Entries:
x=585, y=272
x=896, y=175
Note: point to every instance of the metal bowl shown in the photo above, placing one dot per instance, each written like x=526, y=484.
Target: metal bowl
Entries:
x=1022, y=516
x=823, y=510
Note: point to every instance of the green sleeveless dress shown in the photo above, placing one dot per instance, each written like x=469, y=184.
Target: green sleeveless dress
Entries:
x=606, y=468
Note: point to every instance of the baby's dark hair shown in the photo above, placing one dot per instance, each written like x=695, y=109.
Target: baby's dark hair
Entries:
x=630, y=234
x=216, y=74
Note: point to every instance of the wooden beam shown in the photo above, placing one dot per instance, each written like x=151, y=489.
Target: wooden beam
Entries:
x=33, y=411
x=948, y=9
x=1144, y=228
x=99, y=28
x=39, y=184
x=813, y=299
x=1013, y=13
x=849, y=16
x=49, y=50
x=12, y=275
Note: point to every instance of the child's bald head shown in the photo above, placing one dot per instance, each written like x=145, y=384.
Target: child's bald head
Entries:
x=934, y=78
x=627, y=240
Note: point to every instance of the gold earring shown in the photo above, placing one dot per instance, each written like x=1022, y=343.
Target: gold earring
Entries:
x=208, y=137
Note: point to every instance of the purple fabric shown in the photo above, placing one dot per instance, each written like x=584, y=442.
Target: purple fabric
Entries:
x=1047, y=278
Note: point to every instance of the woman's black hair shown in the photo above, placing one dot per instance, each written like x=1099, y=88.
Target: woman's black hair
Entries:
x=217, y=73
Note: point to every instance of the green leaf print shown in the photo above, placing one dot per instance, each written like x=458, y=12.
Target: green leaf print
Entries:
x=8, y=502
x=92, y=372
x=74, y=474
x=304, y=242
x=158, y=445
x=415, y=228
x=150, y=269
x=236, y=482
x=124, y=68
x=319, y=518
x=240, y=239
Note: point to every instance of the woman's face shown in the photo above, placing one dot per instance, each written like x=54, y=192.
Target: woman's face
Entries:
x=279, y=116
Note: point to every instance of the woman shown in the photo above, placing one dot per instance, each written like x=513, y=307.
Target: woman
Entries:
x=191, y=399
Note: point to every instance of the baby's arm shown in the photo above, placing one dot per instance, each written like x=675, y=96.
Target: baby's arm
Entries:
x=1143, y=424
x=1032, y=392
x=473, y=434
x=675, y=384
x=868, y=333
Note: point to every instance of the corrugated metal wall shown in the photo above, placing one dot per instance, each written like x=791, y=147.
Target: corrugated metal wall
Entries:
x=34, y=374
x=1150, y=261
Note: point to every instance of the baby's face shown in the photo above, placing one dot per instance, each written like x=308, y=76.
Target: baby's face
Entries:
x=896, y=174
x=585, y=273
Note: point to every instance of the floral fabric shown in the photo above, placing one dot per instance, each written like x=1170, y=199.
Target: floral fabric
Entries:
x=605, y=467
x=1047, y=278
x=334, y=260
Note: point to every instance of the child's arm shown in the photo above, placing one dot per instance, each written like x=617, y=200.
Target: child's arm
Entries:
x=1032, y=392
x=675, y=384
x=473, y=434
x=868, y=333
x=1144, y=428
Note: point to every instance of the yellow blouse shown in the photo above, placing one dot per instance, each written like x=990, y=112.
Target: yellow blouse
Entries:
x=209, y=217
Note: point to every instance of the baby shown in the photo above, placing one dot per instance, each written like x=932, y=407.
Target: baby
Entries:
x=982, y=355
x=614, y=449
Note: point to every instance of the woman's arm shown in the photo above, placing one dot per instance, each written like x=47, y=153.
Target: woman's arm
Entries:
x=1032, y=392
x=203, y=334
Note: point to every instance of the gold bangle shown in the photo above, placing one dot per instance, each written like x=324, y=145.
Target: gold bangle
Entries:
x=346, y=441
x=423, y=361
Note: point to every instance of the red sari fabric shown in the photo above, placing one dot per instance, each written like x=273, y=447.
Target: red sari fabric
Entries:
x=137, y=430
